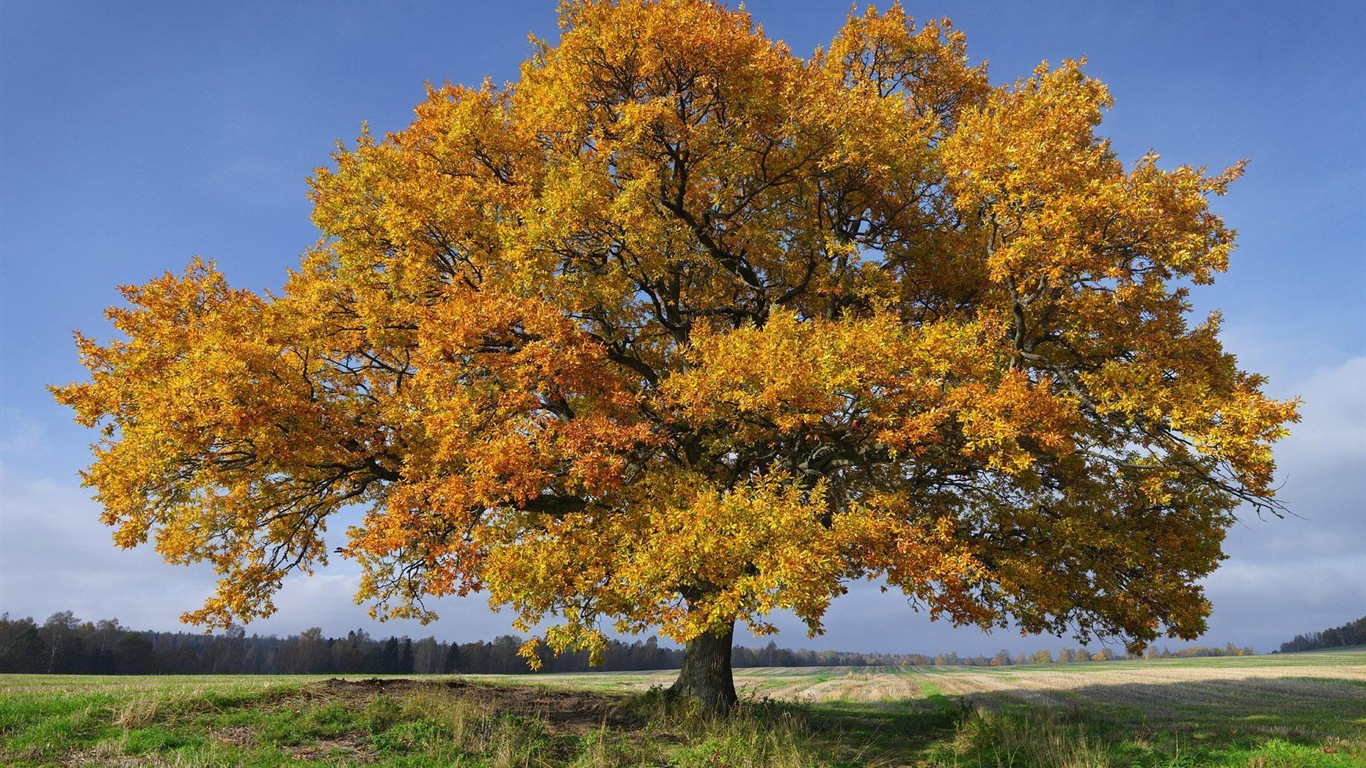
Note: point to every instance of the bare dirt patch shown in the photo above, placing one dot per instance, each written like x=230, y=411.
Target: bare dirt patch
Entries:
x=566, y=707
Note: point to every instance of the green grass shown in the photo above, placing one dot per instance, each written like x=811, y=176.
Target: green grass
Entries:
x=1305, y=711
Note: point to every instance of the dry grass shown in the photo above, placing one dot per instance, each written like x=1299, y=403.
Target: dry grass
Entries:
x=1304, y=711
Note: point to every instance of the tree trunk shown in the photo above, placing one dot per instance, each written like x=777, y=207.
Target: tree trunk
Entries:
x=706, y=675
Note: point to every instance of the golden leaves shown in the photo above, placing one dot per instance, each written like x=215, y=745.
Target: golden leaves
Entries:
x=926, y=69
x=681, y=329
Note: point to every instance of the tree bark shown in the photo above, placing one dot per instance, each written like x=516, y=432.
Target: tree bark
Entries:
x=706, y=674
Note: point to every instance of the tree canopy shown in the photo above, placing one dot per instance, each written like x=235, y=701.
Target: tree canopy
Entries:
x=681, y=329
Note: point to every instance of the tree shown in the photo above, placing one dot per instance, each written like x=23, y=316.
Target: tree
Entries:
x=681, y=329
x=427, y=657
x=310, y=653
x=102, y=635
x=452, y=661
x=135, y=654
x=22, y=648
x=66, y=649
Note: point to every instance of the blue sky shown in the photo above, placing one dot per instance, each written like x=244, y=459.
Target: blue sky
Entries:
x=134, y=136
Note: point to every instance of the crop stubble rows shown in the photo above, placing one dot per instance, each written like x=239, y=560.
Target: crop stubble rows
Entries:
x=1315, y=704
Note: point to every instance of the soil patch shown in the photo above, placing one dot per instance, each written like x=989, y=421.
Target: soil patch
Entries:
x=565, y=707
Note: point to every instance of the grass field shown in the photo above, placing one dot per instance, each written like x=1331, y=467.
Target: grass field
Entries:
x=1263, y=711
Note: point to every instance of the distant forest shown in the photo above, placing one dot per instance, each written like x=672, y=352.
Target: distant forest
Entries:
x=1351, y=633
x=63, y=644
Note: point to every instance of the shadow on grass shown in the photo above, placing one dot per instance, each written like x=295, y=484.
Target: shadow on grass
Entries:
x=857, y=733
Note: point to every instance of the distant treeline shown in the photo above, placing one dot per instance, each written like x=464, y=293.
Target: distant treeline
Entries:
x=64, y=644
x=1351, y=633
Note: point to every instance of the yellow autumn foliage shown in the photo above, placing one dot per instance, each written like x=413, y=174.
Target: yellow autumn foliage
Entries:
x=682, y=329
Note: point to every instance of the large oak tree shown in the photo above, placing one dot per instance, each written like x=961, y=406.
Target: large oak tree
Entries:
x=681, y=329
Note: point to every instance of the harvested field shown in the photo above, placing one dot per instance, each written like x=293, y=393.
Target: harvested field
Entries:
x=1148, y=684
x=1302, y=711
